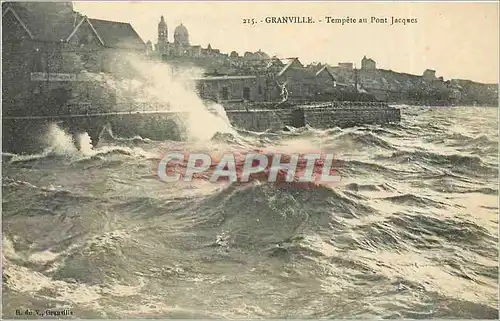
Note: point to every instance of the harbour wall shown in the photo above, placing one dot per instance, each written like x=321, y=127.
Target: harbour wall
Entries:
x=29, y=134
x=348, y=117
x=256, y=120
x=321, y=116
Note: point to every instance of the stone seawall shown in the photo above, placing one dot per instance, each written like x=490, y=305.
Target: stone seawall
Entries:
x=346, y=117
x=28, y=134
x=24, y=136
x=321, y=115
x=256, y=120
x=155, y=126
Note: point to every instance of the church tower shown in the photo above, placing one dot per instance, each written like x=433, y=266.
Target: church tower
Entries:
x=162, y=35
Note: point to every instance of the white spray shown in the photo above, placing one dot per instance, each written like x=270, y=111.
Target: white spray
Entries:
x=155, y=87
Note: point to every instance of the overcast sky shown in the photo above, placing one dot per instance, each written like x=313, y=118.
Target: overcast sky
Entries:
x=458, y=40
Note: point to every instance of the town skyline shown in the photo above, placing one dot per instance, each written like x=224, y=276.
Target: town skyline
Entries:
x=458, y=40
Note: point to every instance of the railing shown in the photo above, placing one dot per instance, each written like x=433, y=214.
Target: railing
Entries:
x=117, y=107
x=85, y=108
x=96, y=114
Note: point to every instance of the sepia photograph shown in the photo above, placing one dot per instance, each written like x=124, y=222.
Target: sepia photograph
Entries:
x=250, y=160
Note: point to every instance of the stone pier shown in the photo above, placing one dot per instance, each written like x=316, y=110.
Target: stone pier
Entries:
x=29, y=134
x=321, y=116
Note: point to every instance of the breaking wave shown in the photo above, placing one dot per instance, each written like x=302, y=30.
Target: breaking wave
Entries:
x=409, y=232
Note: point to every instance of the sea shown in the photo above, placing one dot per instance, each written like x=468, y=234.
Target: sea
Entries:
x=410, y=231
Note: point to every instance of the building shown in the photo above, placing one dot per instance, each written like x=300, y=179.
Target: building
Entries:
x=181, y=50
x=181, y=46
x=162, y=35
x=282, y=80
x=346, y=65
x=28, y=45
x=429, y=74
x=102, y=43
x=181, y=36
x=232, y=88
x=47, y=46
x=368, y=64
x=325, y=80
x=289, y=79
x=231, y=74
x=252, y=76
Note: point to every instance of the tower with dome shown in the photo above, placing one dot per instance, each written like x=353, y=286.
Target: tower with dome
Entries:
x=181, y=45
x=181, y=36
x=180, y=48
x=162, y=35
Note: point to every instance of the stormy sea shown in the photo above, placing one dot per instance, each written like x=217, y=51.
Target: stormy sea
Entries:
x=411, y=230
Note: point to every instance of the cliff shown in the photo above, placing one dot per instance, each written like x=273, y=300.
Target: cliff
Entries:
x=473, y=93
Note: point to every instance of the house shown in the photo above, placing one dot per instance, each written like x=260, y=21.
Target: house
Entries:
x=29, y=45
x=37, y=22
x=304, y=83
x=45, y=47
x=298, y=81
x=368, y=64
x=325, y=79
x=108, y=34
x=232, y=88
x=102, y=44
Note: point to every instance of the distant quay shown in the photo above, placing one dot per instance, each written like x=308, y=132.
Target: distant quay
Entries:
x=320, y=115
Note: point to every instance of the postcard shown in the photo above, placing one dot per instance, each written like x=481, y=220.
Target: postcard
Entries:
x=257, y=160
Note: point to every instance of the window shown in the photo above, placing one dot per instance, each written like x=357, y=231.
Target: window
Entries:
x=225, y=93
x=246, y=93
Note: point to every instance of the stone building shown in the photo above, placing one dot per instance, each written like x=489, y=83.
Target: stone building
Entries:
x=29, y=45
x=181, y=50
x=368, y=64
x=181, y=45
x=326, y=82
x=283, y=80
x=346, y=65
x=429, y=74
x=47, y=47
x=232, y=88
x=104, y=42
x=162, y=35
x=301, y=83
